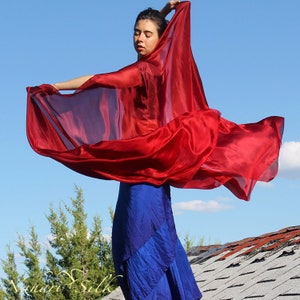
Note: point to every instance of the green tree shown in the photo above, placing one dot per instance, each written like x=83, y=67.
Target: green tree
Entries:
x=77, y=264
x=11, y=283
x=33, y=279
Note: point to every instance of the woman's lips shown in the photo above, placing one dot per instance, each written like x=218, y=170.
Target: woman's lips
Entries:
x=140, y=48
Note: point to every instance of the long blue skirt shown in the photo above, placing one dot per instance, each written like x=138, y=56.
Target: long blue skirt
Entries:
x=148, y=256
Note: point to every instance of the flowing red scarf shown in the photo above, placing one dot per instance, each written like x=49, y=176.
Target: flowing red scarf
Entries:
x=150, y=122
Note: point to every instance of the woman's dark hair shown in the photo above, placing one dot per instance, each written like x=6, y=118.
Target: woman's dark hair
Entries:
x=155, y=16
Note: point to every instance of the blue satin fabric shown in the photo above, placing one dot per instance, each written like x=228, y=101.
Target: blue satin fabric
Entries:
x=147, y=252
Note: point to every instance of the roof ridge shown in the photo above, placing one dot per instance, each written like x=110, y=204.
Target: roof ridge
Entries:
x=263, y=243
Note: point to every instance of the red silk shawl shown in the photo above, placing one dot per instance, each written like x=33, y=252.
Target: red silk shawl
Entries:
x=150, y=122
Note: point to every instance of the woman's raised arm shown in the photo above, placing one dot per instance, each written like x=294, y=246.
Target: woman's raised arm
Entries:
x=168, y=7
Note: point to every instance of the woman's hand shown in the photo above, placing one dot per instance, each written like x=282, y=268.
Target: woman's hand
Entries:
x=169, y=7
x=55, y=86
x=172, y=4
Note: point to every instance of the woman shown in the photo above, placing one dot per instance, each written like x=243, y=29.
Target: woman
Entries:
x=148, y=126
x=148, y=256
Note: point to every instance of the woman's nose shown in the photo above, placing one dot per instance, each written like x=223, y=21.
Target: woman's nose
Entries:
x=140, y=38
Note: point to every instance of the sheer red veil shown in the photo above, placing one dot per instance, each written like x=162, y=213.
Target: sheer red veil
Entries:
x=150, y=122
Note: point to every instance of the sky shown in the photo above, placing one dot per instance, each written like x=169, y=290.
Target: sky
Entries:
x=247, y=53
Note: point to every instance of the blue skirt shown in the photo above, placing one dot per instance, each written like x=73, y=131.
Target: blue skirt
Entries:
x=148, y=256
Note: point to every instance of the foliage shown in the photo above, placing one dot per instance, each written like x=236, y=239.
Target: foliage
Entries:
x=77, y=264
x=12, y=281
x=189, y=242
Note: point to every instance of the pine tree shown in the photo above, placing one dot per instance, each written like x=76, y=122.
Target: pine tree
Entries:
x=11, y=283
x=33, y=279
x=82, y=259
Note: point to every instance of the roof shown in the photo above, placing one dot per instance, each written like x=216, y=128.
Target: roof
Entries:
x=263, y=267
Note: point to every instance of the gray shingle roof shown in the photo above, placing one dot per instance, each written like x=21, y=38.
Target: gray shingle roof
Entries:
x=265, y=267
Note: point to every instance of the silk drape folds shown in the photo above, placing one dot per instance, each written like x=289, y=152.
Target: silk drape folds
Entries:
x=150, y=122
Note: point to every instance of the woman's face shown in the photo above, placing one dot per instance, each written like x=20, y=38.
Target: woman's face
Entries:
x=145, y=37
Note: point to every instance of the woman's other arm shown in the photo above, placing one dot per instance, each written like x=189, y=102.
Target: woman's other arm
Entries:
x=168, y=7
x=129, y=76
x=72, y=84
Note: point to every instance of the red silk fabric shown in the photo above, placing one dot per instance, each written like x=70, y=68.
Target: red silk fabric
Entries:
x=150, y=122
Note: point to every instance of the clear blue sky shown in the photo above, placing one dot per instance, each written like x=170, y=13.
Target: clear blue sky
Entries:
x=248, y=57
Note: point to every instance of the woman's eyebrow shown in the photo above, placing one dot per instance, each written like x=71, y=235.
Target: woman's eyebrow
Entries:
x=145, y=31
